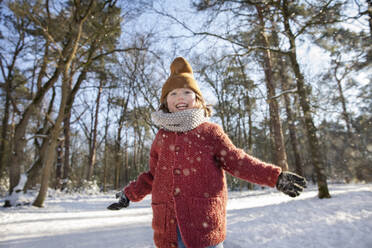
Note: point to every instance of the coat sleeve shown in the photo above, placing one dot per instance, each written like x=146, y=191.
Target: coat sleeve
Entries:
x=142, y=186
x=240, y=164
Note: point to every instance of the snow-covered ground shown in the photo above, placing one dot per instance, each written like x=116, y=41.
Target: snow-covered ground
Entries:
x=261, y=218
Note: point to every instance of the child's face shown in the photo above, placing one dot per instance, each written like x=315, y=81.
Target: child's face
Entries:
x=181, y=99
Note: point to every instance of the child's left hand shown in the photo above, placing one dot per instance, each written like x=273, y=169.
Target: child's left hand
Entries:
x=123, y=202
x=290, y=183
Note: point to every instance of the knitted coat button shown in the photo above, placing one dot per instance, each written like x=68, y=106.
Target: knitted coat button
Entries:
x=176, y=191
x=177, y=172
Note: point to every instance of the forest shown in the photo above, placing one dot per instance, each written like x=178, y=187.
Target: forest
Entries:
x=289, y=82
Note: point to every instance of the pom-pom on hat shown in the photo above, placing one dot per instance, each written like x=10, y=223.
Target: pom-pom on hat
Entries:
x=181, y=77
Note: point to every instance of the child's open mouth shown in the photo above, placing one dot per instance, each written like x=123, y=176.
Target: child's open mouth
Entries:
x=181, y=106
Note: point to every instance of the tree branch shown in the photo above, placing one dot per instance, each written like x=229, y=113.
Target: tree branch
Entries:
x=283, y=93
x=229, y=39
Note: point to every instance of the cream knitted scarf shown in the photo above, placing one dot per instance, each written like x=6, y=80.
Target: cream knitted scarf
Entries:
x=181, y=121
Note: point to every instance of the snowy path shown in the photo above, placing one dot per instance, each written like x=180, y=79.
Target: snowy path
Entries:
x=266, y=219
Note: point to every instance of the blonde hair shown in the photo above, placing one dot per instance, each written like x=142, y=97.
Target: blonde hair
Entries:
x=199, y=102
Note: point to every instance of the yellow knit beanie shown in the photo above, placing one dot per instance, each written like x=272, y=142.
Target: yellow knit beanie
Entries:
x=181, y=77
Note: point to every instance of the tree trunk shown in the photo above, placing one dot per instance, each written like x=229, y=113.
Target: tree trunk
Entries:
x=106, y=151
x=250, y=134
x=345, y=113
x=17, y=155
x=105, y=163
x=65, y=93
x=66, y=145
x=72, y=92
x=304, y=101
x=117, y=155
x=93, y=149
x=58, y=183
x=126, y=160
x=34, y=171
x=19, y=141
x=51, y=149
x=117, y=159
x=4, y=144
x=134, y=157
x=369, y=10
x=8, y=82
x=49, y=159
x=276, y=126
x=53, y=140
x=284, y=79
x=293, y=137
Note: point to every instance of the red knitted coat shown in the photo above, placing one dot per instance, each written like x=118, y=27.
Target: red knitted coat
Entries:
x=188, y=185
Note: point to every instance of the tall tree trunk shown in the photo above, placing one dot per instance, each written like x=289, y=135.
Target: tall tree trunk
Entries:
x=293, y=137
x=66, y=146
x=126, y=159
x=239, y=125
x=53, y=141
x=34, y=171
x=250, y=134
x=346, y=160
x=67, y=126
x=4, y=144
x=369, y=10
x=8, y=82
x=105, y=163
x=106, y=151
x=135, y=144
x=276, y=126
x=51, y=151
x=284, y=79
x=117, y=154
x=105, y=160
x=19, y=141
x=55, y=132
x=58, y=182
x=248, y=107
x=72, y=92
x=304, y=101
x=93, y=149
x=345, y=113
x=66, y=56
x=16, y=156
x=48, y=162
x=117, y=157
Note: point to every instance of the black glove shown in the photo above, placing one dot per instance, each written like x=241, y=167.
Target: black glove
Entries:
x=123, y=202
x=290, y=183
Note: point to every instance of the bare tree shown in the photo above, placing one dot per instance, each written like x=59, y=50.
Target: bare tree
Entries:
x=276, y=127
x=285, y=81
x=304, y=101
x=11, y=75
x=93, y=136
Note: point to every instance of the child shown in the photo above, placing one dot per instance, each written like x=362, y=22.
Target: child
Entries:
x=188, y=160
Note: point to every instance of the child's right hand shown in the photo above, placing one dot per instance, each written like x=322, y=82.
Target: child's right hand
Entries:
x=290, y=183
x=123, y=202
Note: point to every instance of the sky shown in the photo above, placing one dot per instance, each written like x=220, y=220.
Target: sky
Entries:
x=313, y=60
